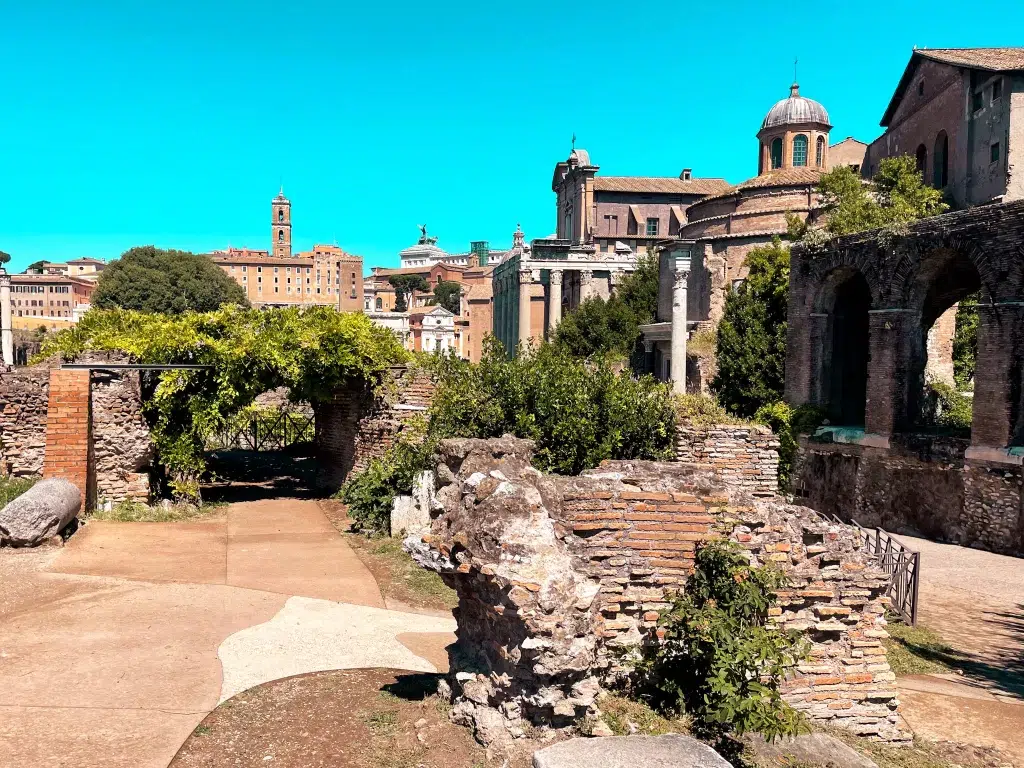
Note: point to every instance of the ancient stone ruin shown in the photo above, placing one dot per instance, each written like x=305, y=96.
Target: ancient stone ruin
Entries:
x=557, y=575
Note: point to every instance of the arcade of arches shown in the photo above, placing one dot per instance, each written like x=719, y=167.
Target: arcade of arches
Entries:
x=861, y=308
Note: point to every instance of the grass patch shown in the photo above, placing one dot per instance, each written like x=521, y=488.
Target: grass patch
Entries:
x=137, y=512
x=383, y=722
x=12, y=487
x=918, y=651
x=619, y=713
x=201, y=730
x=398, y=575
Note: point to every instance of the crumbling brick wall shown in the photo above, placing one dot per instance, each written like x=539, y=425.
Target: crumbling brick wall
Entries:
x=122, y=450
x=24, y=393
x=356, y=426
x=631, y=529
x=744, y=456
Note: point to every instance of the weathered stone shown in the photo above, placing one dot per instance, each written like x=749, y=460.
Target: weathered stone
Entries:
x=809, y=749
x=669, y=751
x=43, y=511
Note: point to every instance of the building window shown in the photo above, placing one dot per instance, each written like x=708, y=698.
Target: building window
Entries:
x=994, y=152
x=977, y=101
x=380, y=303
x=799, y=151
x=940, y=160
x=921, y=159
x=652, y=227
x=280, y=235
x=776, y=153
x=819, y=152
x=997, y=89
x=280, y=214
x=920, y=88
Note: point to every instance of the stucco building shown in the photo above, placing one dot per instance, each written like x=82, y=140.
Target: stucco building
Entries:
x=326, y=274
x=54, y=300
x=960, y=113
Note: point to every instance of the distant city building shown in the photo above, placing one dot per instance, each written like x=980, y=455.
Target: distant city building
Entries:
x=434, y=332
x=960, y=113
x=324, y=275
x=396, y=322
x=426, y=253
x=86, y=268
x=49, y=299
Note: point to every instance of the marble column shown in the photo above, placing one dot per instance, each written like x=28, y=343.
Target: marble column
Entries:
x=586, y=284
x=525, y=290
x=6, y=333
x=679, y=330
x=554, y=300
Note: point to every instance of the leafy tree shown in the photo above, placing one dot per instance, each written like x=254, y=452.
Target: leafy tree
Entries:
x=405, y=286
x=150, y=279
x=35, y=265
x=902, y=194
x=752, y=334
x=600, y=327
x=965, y=342
x=721, y=660
x=4, y=257
x=448, y=294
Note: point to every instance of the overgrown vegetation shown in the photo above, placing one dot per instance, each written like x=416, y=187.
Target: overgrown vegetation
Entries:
x=703, y=411
x=399, y=577
x=788, y=423
x=12, y=487
x=721, y=661
x=150, y=279
x=917, y=650
x=311, y=351
x=947, y=407
x=137, y=512
x=612, y=327
x=965, y=342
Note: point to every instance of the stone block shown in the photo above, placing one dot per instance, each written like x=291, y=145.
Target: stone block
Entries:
x=669, y=751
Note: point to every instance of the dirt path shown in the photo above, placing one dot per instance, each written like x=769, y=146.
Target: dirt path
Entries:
x=113, y=649
x=975, y=601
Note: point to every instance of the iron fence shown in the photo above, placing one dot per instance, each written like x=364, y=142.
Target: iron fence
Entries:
x=267, y=430
x=901, y=564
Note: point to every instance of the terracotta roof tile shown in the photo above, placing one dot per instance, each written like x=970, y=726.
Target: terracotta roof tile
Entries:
x=662, y=184
x=781, y=178
x=995, y=59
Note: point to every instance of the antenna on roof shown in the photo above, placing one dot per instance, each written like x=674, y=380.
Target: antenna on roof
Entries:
x=795, y=62
x=574, y=140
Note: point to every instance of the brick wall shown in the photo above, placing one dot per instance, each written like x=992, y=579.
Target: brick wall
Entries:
x=742, y=456
x=921, y=485
x=122, y=451
x=24, y=393
x=67, y=430
x=355, y=427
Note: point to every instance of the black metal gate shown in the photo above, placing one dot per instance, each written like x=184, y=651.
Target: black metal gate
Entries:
x=267, y=430
x=902, y=564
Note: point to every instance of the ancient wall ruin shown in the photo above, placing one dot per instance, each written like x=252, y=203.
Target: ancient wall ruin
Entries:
x=554, y=574
x=922, y=485
x=23, y=399
x=745, y=456
x=356, y=426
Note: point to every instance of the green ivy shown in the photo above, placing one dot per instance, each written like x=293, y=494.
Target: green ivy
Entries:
x=311, y=351
x=721, y=661
x=788, y=423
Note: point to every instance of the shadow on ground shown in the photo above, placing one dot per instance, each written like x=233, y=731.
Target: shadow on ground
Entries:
x=415, y=686
x=239, y=476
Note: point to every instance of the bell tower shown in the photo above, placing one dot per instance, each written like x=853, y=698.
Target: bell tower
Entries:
x=281, y=225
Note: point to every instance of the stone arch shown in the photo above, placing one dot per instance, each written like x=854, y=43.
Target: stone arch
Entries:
x=840, y=308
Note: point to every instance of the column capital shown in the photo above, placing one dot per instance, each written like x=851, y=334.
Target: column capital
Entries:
x=586, y=275
x=680, y=277
x=555, y=276
x=525, y=276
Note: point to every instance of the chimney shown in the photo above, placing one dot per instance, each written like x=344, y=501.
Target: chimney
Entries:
x=687, y=174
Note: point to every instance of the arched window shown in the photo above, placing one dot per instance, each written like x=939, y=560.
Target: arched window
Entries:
x=280, y=235
x=922, y=158
x=819, y=152
x=280, y=214
x=776, y=153
x=940, y=161
x=799, y=151
x=380, y=303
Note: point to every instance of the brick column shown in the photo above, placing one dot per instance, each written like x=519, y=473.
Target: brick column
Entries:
x=889, y=370
x=998, y=378
x=68, y=430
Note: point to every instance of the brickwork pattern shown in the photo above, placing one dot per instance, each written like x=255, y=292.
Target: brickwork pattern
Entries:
x=67, y=429
x=122, y=450
x=24, y=393
x=743, y=457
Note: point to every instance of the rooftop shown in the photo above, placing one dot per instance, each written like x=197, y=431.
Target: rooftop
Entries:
x=795, y=109
x=659, y=185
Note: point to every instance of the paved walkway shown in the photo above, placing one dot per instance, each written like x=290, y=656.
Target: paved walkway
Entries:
x=975, y=601
x=113, y=649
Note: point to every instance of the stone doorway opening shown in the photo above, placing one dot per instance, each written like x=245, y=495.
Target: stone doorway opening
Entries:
x=846, y=304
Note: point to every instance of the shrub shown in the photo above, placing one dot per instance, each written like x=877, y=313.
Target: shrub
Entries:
x=787, y=423
x=946, y=407
x=721, y=661
x=578, y=412
x=703, y=411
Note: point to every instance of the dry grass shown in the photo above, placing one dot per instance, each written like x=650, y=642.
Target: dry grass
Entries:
x=398, y=575
x=137, y=512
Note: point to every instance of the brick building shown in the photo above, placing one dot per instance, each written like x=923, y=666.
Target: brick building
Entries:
x=49, y=299
x=960, y=112
x=86, y=268
x=324, y=275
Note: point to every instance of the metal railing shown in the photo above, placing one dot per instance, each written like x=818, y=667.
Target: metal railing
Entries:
x=264, y=431
x=901, y=564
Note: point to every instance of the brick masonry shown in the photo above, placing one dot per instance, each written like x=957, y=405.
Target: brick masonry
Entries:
x=355, y=426
x=24, y=393
x=68, y=430
x=743, y=456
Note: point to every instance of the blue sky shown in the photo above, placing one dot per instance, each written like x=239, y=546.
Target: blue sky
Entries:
x=128, y=123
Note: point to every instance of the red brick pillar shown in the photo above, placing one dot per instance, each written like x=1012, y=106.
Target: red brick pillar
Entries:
x=998, y=386
x=890, y=370
x=68, y=429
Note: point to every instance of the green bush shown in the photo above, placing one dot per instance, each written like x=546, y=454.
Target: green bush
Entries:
x=579, y=412
x=721, y=661
x=946, y=407
x=787, y=423
x=703, y=411
x=12, y=487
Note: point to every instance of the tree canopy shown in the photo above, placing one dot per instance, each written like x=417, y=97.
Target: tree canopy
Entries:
x=150, y=279
x=36, y=265
x=598, y=327
x=311, y=351
x=4, y=257
x=752, y=334
x=448, y=294
x=405, y=286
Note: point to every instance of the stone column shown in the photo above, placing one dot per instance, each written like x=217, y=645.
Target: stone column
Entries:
x=554, y=300
x=678, y=372
x=586, y=284
x=6, y=332
x=525, y=285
